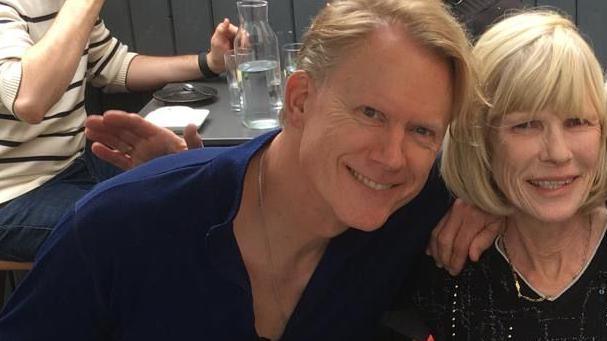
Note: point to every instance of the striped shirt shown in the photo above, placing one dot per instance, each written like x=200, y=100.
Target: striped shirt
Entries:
x=30, y=154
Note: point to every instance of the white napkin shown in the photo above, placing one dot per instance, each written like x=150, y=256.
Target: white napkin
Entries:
x=177, y=116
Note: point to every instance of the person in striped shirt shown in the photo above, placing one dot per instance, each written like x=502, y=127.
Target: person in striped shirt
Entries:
x=50, y=50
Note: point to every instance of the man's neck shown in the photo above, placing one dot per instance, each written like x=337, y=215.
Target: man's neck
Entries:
x=293, y=212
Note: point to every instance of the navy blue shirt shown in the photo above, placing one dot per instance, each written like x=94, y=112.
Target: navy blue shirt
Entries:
x=151, y=255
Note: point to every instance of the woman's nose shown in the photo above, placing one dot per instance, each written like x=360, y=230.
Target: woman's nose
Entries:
x=556, y=146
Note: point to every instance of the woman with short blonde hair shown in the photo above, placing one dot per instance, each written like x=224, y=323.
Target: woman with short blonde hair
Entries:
x=528, y=63
x=535, y=156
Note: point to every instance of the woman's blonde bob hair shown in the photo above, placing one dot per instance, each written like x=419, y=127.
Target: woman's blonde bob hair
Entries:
x=343, y=25
x=530, y=62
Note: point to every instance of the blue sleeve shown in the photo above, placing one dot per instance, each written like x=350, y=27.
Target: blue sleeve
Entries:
x=59, y=298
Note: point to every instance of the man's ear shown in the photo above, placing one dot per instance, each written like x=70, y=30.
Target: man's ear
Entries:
x=298, y=90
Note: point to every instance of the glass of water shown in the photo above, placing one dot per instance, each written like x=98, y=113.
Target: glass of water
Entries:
x=232, y=77
x=261, y=93
x=289, y=57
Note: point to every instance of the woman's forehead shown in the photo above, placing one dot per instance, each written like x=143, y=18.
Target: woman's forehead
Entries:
x=587, y=113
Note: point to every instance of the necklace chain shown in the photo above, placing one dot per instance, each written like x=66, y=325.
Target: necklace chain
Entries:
x=542, y=297
x=275, y=287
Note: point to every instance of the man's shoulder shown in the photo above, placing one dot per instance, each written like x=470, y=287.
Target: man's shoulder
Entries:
x=194, y=161
x=178, y=184
x=169, y=169
x=171, y=165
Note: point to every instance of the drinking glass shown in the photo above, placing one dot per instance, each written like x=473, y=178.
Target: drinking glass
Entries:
x=289, y=57
x=232, y=77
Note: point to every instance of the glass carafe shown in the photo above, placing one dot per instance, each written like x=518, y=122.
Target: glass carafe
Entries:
x=258, y=59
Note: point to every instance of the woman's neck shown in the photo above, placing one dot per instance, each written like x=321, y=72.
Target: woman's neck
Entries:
x=551, y=255
x=542, y=241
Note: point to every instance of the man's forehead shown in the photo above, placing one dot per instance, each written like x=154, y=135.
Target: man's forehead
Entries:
x=395, y=75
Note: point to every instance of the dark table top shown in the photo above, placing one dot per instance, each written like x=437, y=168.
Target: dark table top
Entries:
x=223, y=126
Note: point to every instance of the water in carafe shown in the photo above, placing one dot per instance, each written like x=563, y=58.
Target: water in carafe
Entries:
x=260, y=75
x=261, y=93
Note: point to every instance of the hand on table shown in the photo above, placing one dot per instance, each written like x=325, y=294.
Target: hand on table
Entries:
x=221, y=42
x=127, y=140
x=464, y=231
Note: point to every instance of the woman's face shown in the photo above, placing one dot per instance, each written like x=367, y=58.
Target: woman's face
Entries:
x=545, y=163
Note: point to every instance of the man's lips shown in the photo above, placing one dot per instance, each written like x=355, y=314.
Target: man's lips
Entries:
x=369, y=182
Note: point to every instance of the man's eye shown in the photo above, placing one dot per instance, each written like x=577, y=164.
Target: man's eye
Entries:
x=423, y=131
x=371, y=112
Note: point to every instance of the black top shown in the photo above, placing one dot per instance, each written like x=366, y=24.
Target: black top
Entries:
x=481, y=303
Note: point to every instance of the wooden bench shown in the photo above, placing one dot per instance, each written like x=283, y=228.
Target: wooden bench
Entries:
x=7, y=274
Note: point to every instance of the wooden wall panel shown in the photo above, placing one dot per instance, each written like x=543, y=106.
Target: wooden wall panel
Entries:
x=193, y=25
x=592, y=21
x=568, y=6
x=281, y=20
x=304, y=11
x=280, y=15
x=117, y=17
x=153, y=26
x=225, y=9
x=169, y=27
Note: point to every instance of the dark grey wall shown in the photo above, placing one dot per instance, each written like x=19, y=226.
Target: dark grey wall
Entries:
x=591, y=18
x=167, y=27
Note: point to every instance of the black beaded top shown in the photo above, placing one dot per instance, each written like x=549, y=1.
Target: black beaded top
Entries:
x=481, y=303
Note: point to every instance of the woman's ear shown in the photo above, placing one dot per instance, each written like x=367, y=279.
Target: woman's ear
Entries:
x=298, y=90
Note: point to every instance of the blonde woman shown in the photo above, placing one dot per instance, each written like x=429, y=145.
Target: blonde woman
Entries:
x=536, y=157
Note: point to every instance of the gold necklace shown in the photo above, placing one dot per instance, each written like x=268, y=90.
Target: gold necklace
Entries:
x=542, y=297
x=275, y=292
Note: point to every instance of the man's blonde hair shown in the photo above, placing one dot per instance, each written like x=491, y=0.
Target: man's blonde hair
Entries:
x=343, y=25
x=530, y=62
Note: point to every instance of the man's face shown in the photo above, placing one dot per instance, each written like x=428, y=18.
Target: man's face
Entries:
x=372, y=129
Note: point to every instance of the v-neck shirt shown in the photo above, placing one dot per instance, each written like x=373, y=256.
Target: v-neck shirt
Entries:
x=481, y=303
x=151, y=255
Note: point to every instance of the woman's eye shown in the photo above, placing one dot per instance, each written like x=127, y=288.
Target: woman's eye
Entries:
x=576, y=122
x=527, y=125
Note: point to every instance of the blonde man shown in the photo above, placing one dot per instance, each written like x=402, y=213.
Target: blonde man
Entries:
x=279, y=238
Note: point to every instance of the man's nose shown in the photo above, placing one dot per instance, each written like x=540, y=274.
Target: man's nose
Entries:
x=391, y=151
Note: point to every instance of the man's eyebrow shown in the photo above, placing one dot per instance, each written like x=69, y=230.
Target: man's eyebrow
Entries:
x=432, y=125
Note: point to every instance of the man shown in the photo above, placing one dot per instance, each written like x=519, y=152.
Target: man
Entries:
x=297, y=235
x=49, y=52
x=451, y=245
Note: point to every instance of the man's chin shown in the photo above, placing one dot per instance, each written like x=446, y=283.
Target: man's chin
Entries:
x=368, y=223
